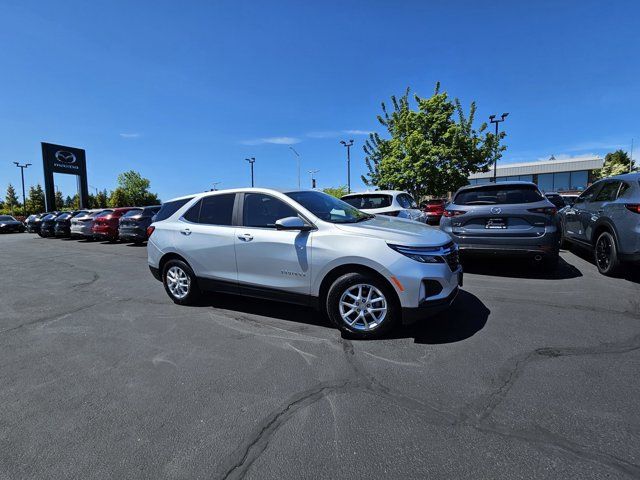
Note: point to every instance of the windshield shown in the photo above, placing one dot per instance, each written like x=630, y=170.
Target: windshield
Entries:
x=328, y=208
x=133, y=213
x=368, y=201
x=499, y=195
x=7, y=218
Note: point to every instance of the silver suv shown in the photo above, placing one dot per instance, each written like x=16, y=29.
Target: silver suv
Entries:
x=394, y=203
x=367, y=272
x=606, y=218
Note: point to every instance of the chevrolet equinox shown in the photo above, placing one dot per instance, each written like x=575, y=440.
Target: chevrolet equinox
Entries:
x=366, y=272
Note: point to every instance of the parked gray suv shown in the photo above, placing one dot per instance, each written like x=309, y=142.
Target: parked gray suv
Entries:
x=367, y=272
x=507, y=218
x=606, y=219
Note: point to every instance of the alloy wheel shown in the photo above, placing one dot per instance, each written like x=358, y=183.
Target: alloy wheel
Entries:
x=178, y=282
x=603, y=252
x=363, y=307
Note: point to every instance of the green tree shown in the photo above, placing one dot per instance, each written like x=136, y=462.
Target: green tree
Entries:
x=337, y=192
x=101, y=199
x=11, y=202
x=118, y=198
x=430, y=152
x=616, y=163
x=59, y=200
x=136, y=189
x=35, y=200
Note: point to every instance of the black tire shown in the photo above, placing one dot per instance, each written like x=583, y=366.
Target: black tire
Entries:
x=358, y=330
x=193, y=291
x=605, y=254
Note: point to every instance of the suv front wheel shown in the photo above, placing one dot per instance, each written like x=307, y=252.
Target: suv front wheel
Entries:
x=180, y=282
x=606, y=254
x=362, y=306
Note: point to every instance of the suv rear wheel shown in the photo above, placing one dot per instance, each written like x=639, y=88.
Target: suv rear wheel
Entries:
x=362, y=305
x=180, y=282
x=606, y=254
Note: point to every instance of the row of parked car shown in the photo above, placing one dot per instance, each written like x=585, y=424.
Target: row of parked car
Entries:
x=127, y=224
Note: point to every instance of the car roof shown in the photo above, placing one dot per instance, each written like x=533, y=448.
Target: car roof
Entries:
x=625, y=176
x=375, y=192
x=512, y=183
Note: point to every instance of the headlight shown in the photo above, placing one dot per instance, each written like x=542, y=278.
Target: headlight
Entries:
x=3, y=224
x=420, y=254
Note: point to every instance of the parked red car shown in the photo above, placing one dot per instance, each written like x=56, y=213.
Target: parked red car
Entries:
x=106, y=224
x=433, y=209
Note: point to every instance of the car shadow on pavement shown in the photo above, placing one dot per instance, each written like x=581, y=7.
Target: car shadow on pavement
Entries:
x=518, y=268
x=628, y=272
x=467, y=316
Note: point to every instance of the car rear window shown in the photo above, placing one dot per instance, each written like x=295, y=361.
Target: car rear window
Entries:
x=169, y=208
x=150, y=211
x=133, y=213
x=104, y=213
x=499, y=195
x=368, y=201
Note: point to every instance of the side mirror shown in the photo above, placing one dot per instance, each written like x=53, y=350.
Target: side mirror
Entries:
x=292, y=223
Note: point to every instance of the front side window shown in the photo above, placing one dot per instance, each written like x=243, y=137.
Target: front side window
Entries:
x=608, y=192
x=406, y=201
x=329, y=208
x=368, y=201
x=588, y=194
x=261, y=210
x=499, y=195
x=213, y=210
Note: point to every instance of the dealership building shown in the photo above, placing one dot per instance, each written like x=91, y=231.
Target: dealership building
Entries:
x=570, y=175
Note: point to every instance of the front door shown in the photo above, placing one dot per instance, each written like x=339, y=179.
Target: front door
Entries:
x=272, y=263
x=576, y=214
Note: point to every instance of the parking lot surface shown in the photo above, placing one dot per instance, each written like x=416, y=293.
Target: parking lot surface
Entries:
x=102, y=376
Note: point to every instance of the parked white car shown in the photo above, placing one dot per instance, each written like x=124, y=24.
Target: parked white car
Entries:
x=366, y=272
x=393, y=203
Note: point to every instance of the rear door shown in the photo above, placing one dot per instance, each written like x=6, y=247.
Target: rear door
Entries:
x=500, y=212
x=272, y=263
x=205, y=237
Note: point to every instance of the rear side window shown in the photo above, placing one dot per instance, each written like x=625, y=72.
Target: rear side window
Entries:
x=499, y=195
x=263, y=211
x=608, y=192
x=406, y=201
x=368, y=201
x=213, y=210
x=169, y=208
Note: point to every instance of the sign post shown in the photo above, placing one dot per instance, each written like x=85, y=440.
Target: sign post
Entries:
x=69, y=160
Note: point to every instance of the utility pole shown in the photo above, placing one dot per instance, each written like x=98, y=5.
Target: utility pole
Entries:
x=298, y=160
x=313, y=180
x=251, y=161
x=348, y=145
x=24, y=200
x=631, y=158
x=493, y=119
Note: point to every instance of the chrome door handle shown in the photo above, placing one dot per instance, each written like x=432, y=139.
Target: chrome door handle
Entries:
x=247, y=237
x=186, y=231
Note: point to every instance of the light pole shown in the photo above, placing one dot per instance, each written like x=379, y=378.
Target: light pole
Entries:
x=251, y=161
x=493, y=119
x=313, y=180
x=298, y=160
x=24, y=200
x=348, y=145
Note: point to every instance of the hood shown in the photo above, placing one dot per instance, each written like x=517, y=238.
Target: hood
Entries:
x=398, y=231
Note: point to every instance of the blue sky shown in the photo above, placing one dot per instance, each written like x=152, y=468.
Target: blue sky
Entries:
x=184, y=91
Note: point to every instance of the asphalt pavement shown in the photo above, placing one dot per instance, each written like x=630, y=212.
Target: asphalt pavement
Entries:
x=102, y=376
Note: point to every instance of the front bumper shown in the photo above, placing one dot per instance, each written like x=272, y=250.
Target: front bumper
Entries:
x=428, y=308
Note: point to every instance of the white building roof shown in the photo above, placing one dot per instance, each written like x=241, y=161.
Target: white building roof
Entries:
x=543, y=166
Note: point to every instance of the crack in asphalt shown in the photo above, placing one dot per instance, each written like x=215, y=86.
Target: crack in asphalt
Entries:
x=475, y=415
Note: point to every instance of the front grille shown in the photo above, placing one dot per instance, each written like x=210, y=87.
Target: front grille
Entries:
x=452, y=258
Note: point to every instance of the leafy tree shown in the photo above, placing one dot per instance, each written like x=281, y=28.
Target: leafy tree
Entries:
x=616, y=163
x=11, y=199
x=68, y=202
x=102, y=199
x=136, y=189
x=430, y=151
x=59, y=200
x=118, y=198
x=35, y=201
x=337, y=192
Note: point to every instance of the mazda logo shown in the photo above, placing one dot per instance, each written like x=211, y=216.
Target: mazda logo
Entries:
x=65, y=157
x=496, y=210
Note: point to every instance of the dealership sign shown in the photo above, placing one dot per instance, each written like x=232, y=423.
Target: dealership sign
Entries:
x=63, y=159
